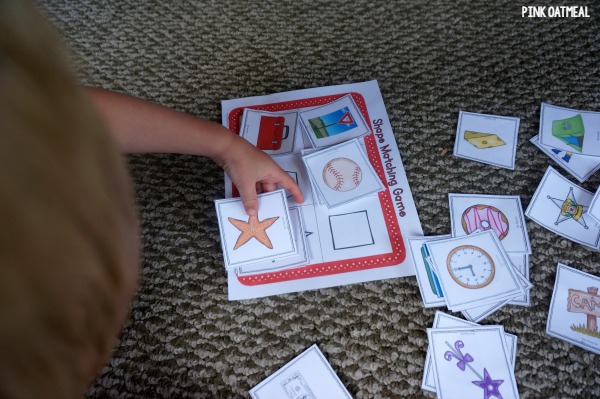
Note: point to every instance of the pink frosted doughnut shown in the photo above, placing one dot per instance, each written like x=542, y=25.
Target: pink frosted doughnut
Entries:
x=485, y=217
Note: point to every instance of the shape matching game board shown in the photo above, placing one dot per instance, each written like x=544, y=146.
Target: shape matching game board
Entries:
x=338, y=144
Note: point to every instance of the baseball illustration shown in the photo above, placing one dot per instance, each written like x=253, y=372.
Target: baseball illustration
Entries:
x=342, y=174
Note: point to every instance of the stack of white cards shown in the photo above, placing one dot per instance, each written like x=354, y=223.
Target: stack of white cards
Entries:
x=475, y=274
x=274, y=238
x=483, y=265
x=308, y=376
x=568, y=136
x=466, y=360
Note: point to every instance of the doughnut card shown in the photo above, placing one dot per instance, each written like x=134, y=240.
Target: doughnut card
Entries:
x=570, y=129
x=342, y=173
x=562, y=207
x=443, y=320
x=502, y=214
x=308, y=376
x=579, y=166
x=488, y=139
x=334, y=122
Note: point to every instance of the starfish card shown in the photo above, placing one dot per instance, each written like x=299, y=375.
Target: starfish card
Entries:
x=472, y=362
x=263, y=237
x=488, y=139
x=561, y=207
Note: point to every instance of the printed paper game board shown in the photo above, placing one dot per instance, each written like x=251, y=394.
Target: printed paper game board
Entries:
x=362, y=240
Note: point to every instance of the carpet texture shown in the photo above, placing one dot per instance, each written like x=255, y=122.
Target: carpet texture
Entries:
x=183, y=338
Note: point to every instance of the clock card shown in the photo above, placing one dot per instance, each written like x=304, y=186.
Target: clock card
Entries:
x=579, y=166
x=272, y=132
x=333, y=123
x=474, y=270
x=502, y=214
x=429, y=284
x=575, y=308
x=263, y=237
x=488, y=139
x=308, y=376
x=594, y=209
x=570, y=129
x=561, y=207
x=443, y=320
x=342, y=173
x=472, y=362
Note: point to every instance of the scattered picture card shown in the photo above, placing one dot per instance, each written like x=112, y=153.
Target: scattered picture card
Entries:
x=474, y=271
x=561, y=207
x=521, y=263
x=443, y=320
x=575, y=308
x=472, y=362
x=502, y=214
x=342, y=173
x=579, y=166
x=272, y=132
x=333, y=123
x=429, y=284
x=263, y=237
x=308, y=376
x=488, y=139
x=594, y=208
x=570, y=129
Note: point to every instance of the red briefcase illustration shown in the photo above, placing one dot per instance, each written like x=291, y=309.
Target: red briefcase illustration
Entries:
x=271, y=132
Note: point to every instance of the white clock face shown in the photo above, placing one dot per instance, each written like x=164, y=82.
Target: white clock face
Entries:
x=471, y=266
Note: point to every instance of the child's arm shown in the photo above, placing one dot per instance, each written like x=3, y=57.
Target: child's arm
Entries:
x=141, y=126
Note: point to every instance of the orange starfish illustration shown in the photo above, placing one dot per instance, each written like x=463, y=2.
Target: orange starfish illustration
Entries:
x=253, y=228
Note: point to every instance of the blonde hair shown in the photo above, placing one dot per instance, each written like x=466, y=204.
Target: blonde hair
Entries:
x=69, y=236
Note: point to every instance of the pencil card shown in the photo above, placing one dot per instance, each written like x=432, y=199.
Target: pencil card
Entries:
x=594, y=208
x=333, y=123
x=429, y=285
x=575, y=308
x=579, y=166
x=488, y=139
x=308, y=376
x=300, y=259
x=272, y=132
x=561, y=207
x=472, y=362
x=342, y=173
x=443, y=320
x=259, y=238
x=474, y=270
x=502, y=214
x=570, y=129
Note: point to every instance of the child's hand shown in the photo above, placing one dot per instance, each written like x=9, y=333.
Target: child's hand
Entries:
x=252, y=171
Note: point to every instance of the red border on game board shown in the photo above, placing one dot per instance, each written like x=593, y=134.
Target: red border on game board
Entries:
x=398, y=253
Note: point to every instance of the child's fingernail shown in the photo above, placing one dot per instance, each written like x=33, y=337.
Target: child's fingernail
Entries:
x=251, y=212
